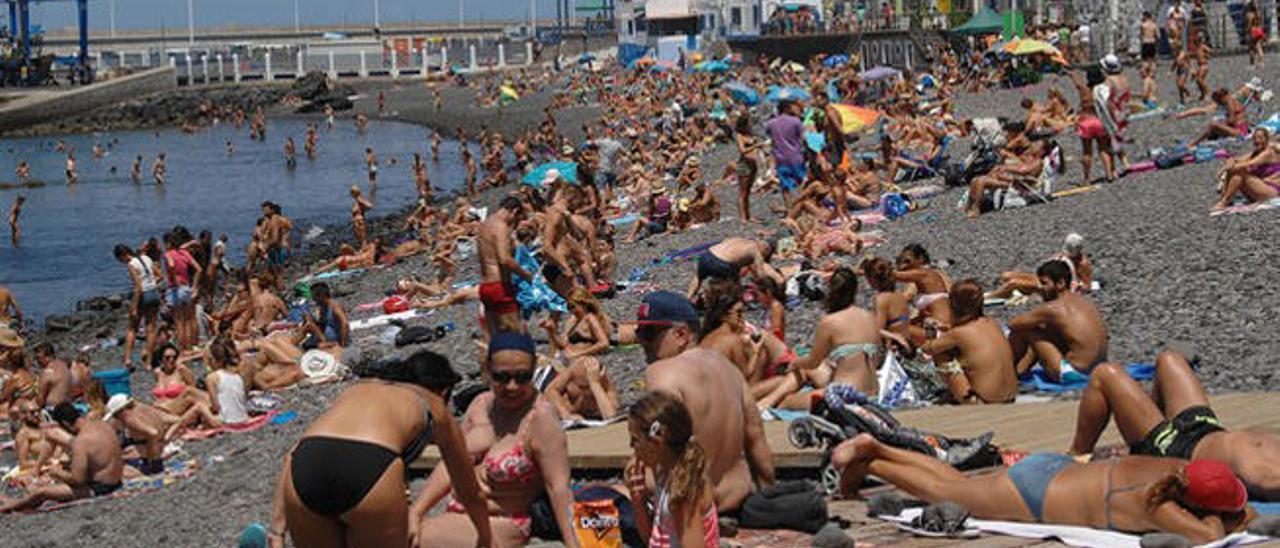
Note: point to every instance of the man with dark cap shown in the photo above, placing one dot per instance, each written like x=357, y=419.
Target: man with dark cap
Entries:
x=725, y=420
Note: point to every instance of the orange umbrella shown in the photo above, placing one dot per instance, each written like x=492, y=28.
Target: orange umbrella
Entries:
x=855, y=118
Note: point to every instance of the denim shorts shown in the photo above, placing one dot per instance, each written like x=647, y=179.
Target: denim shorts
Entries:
x=178, y=295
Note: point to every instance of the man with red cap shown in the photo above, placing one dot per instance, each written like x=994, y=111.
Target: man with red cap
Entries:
x=725, y=420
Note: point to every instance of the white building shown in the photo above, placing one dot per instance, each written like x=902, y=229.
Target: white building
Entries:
x=640, y=21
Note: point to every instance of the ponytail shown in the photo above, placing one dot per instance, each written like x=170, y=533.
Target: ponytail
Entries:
x=1168, y=488
x=684, y=483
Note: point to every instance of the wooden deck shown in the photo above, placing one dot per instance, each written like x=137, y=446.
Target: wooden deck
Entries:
x=1028, y=427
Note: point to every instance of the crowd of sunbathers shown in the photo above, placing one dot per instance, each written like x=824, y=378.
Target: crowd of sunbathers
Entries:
x=712, y=377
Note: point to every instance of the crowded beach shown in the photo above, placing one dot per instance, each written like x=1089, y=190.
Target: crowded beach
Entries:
x=706, y=265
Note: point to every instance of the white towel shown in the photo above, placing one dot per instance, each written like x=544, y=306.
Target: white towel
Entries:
x=1071, y=534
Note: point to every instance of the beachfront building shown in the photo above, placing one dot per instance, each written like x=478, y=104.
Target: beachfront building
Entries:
x=668, y=25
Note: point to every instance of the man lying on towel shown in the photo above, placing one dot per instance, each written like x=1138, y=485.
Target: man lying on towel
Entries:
x=96, y=463
x=1175, y=421
x=1201, y=500
x=1066, y=334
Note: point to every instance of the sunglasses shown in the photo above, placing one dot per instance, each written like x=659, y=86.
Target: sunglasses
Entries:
x=505, y=377
x=169, y=357
x=650, y=333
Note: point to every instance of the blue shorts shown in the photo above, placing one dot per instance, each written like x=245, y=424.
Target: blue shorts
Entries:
x=791, y=177
x=178, y=295
x=278, y=256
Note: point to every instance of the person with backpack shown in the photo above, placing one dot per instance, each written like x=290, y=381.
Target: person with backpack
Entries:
x=683, y=501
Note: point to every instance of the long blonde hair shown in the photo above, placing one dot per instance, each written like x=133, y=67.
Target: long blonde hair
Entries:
x=662, y=417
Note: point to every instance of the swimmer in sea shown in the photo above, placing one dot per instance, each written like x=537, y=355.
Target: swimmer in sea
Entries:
x=71, y=168
x=135, y=171
x=290, y=151
x=371, y=163
x=22, y=172
x=158, y=169
x=15, y=233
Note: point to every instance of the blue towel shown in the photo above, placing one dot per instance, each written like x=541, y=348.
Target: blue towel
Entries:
x=1266, y=508
x=284, y=418
x=1039, y=381
x=534, y=295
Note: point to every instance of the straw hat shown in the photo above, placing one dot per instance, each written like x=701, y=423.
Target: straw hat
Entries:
x=318, y=364
x=9, y=338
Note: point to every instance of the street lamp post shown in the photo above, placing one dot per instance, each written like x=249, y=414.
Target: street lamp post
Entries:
x=460, y=19
x=113, y=18
x=297, y=20
x=376, y=14
x=191, y=23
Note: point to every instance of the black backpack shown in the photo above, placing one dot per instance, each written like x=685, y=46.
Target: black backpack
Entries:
x=794, y=505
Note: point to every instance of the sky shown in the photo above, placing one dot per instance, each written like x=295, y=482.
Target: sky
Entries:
x=153, y=14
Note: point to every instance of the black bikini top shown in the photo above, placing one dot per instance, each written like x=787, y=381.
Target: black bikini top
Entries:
x=423, y=439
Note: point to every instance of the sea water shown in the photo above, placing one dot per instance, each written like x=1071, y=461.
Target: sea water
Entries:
x=68, y=232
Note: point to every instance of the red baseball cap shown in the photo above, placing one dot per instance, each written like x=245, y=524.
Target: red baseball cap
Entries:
x=1211, y=485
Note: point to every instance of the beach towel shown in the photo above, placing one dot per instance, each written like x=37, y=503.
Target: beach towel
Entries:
x=1247, y=208
x=534, y=295
x=685, y=254
x=1266, y=508
x=624, y=220
x=174, y=471
x=250, y=425
x=384, y=319
x=331, y=274
x=1039, y=381
x=1069, y=534
x=575, y=424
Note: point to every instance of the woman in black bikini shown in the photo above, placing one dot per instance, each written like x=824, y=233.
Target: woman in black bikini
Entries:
x=1202, y=500
x=1175, y=421
x=344, y=483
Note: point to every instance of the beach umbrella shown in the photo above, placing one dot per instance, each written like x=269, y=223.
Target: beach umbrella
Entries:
x=786, y=93
x=586, y=58
x=879, y=73
x=742, y=93
x=1028, y=46
x=712, y=66
x=834, y=61
x=508, y=94
x=568, y=172
x=855, y=118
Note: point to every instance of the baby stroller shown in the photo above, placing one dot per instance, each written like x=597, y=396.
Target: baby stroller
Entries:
x=843, y=413
x=983, y=156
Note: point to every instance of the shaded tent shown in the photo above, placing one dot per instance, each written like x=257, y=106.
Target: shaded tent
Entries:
x=986, y=21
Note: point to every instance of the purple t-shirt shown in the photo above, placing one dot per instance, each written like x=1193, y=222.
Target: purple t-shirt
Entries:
x=787, y=133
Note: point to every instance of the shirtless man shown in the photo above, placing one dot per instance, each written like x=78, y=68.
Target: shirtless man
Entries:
x=276, y=229
x=135, y=170
x=371, y=164
x=727, y=258
x=1174, y=421
x=563, y=244
x=143, y=426
x=1149, y=33
x=1066, y=334
x=726, y=421
x=290, y=153
x=22, y=172
x=265, y=306
x=583, y=391
x=72, y=176
x=7, y=304
x=1199, y=53
x=158, y=169
x=973, y=356
x=15, y=231
x=32, y=446
x=55, y=377
x=309, y=145
x=330, y=323
x=435, y=145
x=497, y=264
x=97, y=466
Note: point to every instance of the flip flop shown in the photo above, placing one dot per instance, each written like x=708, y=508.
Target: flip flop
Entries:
x=254, y=536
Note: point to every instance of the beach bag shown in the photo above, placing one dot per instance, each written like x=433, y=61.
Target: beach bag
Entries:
x=602, y=518
x=896, y=388
x=895, y=205
x=395, y=304
x=1168, y=161
x=794, y=505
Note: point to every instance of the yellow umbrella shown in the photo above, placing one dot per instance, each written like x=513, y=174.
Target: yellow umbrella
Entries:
x=1027, y=46
x=508, y=93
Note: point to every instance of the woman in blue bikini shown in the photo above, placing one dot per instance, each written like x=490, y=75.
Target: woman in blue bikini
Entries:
x=1201, y=500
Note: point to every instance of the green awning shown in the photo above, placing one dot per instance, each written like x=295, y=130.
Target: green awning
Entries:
x=589, y=7
x=986, y=21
